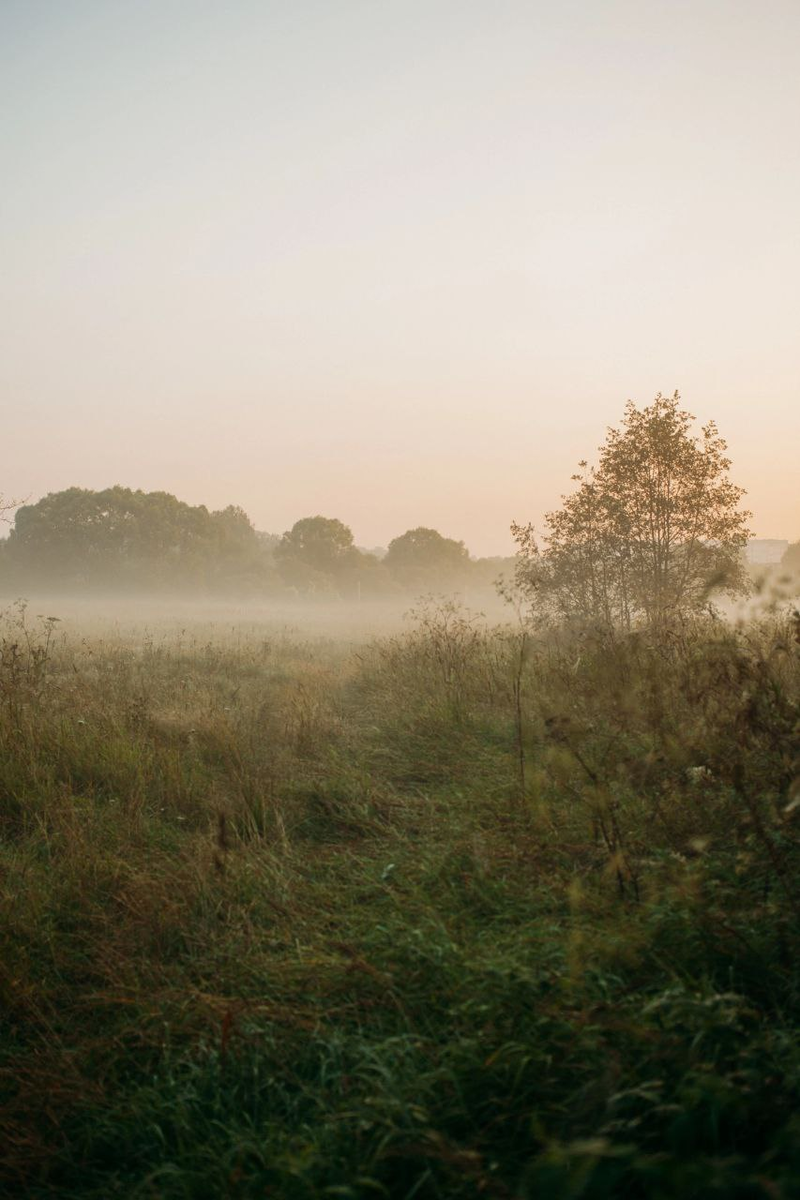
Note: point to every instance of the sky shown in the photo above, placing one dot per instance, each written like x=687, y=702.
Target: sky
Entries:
x=400, y=262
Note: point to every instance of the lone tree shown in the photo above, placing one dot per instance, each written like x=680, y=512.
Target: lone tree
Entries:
x=650, y=533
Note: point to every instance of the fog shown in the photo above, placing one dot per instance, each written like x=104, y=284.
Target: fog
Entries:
x=137, y=618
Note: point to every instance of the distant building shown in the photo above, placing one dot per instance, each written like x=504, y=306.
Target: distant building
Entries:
x=766, y=552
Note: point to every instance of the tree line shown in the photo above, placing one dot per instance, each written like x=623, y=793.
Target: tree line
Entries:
x=119, y=538
x=652, y=531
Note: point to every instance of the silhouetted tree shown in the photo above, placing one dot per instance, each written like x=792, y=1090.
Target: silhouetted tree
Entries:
x=650, y=533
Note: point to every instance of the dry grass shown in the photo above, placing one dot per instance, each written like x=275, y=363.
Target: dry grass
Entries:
x=280, y=916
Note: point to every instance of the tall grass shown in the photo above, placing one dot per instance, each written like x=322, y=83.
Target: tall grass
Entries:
x=471, y=910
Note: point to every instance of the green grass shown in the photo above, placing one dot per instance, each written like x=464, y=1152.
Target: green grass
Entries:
x=281, y=919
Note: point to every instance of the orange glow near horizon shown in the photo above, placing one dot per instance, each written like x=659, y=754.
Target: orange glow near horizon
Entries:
x=398, y=264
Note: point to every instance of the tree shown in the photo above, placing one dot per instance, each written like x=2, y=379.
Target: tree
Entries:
x=648, y=534
x=423, y=557
x=321, y=543
x=234, y=531
x=791, y=559
x=318, y=555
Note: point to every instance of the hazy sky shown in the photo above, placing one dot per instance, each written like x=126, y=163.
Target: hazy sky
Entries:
x=395, y=261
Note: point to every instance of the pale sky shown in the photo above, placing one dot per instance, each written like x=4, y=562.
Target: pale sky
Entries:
x=395, y=261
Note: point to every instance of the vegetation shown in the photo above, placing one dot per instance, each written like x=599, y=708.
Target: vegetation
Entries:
x=130, y=539
x=502, y=910
x=422, y=558
x=467, y=911
x=650, y=533
x=82, y=541
x=791, y=559
x=318, y=555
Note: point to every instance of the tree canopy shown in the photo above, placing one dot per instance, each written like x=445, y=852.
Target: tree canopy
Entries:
x=318, y=555
x=120, y=536
x=322, y=543
x=651, y=532
x=422, y=554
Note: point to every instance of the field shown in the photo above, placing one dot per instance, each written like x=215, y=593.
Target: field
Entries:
x=363, y=908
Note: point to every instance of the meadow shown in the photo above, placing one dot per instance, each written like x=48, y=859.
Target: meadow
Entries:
x=451, y=907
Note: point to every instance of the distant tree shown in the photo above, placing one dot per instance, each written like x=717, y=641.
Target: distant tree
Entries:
x=234, y=530
x=269, y=542
x=318, y=555
x=366, y=576
x=322, y=543
x=489, y=572
x=791, y=558
x=423, y=557
x=648, y=534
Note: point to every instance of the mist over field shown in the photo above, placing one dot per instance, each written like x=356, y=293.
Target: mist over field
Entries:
x=399, y=677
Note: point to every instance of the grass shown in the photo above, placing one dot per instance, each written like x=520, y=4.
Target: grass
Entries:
x=444, y=915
